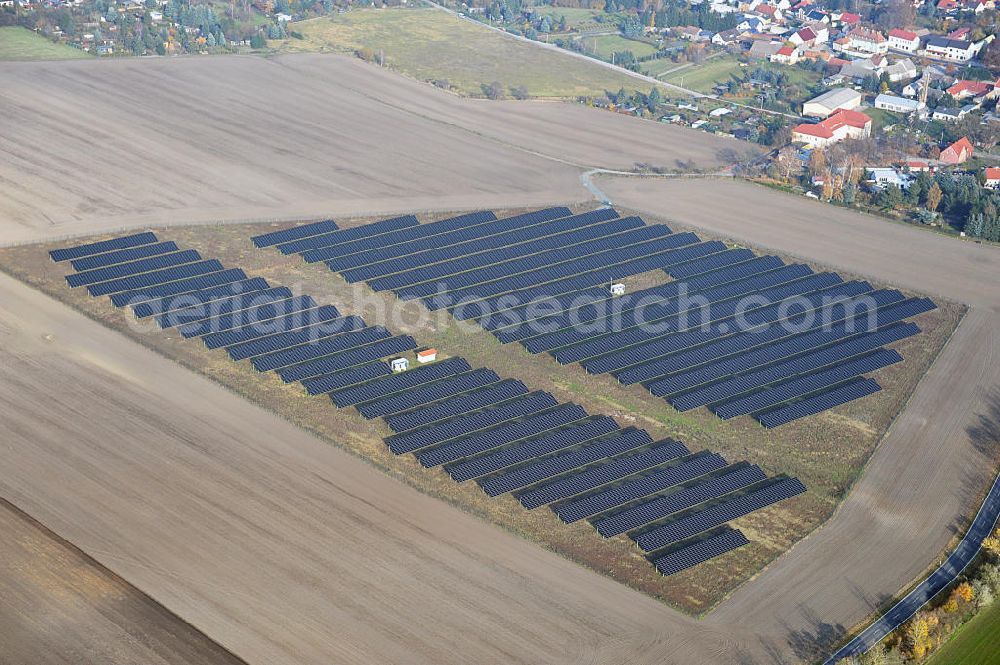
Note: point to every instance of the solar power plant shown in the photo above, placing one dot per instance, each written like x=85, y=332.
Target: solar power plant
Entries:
x=473, y=423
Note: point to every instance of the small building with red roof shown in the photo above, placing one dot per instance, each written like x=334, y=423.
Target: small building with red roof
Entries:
x=965, y=89
x=992, y=180
x=958, y=152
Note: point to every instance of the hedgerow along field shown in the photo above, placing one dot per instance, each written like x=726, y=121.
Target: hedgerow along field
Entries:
x=434, y=46
x=826, y=452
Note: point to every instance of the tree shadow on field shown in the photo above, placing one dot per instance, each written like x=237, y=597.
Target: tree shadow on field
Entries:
x=812, y=642
x=985, y=434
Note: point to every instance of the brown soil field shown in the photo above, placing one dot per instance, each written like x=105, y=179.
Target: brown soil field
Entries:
x=931, y=470
x=58, y=606
x=100, y=145
x=839, y=441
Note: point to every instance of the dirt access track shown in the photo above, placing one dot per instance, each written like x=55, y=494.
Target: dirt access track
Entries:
x=97, y=145
x=286, y=550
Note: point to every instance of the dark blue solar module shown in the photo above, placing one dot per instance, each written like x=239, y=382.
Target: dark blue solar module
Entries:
x=393, y=244
x=68, y=253
x=148, y=279
x=346, y=235
x=531, y=449
x=731, y=387
x=592, y=304
x=695, y=522
x=259, y=312
x=182, y=286
x=343, y=350
x=354, y=376
x=638, y=487
x=400, y=381
x=481, y=268
x=430, y=392
x=725, y=259
x=686, y=556
x=223, y=305
x=502, y=435
x=132, y=268
x=341, y=333
x=377, y=262
x=820, y=402
x=516, y=257
x=637, y=344
x=561, y=280
x=294, y=233
x=686, y=313
x=674, y=355
x=629, y=260
x=425, y=437
x=585, y=480
x=310, y=335
x=670, y=504
x=123, y=256
x=456, y=406
x=306, y=319
x=790, y=389
x=193, y=298
x=549, y=467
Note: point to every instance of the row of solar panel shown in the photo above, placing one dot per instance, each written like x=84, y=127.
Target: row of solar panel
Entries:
x=629, y=260
x=346, y=235
x=593, y=271
x=689, y=555
x=827, y=399
x=381, y=262
x=422, y=238
x=517, y=257
x=294, y=233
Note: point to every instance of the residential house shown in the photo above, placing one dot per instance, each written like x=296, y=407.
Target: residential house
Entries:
x=862, y=40
x=786, y=55
x=882, y=177
x=803, y=37
x=727, y=37
x=831, y=101
x=763, y=49
x=947, y=6
x=953, y=50
x=839, y=126
x=902, y=70
x=898, y=104
x=952, y=114
x=751, y=24
x=903, y=40
x=958, y=152
x=992, y=180
x=769, y=13
x=964, y=89
x=847, y=18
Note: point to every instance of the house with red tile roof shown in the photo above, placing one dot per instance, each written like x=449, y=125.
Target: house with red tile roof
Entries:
x=863, y=41
x=786, y=55
x=964, y=89
x=903, y=40
x=958, y=152
x=992, y=180
x=848, y=18
x=843, y=124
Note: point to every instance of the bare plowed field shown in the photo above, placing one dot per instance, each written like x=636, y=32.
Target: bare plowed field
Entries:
x=98, y=145
x=59, y=607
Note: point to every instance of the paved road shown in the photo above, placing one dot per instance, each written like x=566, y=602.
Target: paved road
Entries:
x=939, y=580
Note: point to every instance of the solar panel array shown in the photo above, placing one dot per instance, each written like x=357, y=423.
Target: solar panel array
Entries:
x=728, y=323
x=476, y=425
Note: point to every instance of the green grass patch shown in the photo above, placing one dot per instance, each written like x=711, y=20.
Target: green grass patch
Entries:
x=431, y=45
x=975, y=643
x=603, y=46
x=17, y=43
x=576, y=18
x=703, y=77
x=881, y=118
